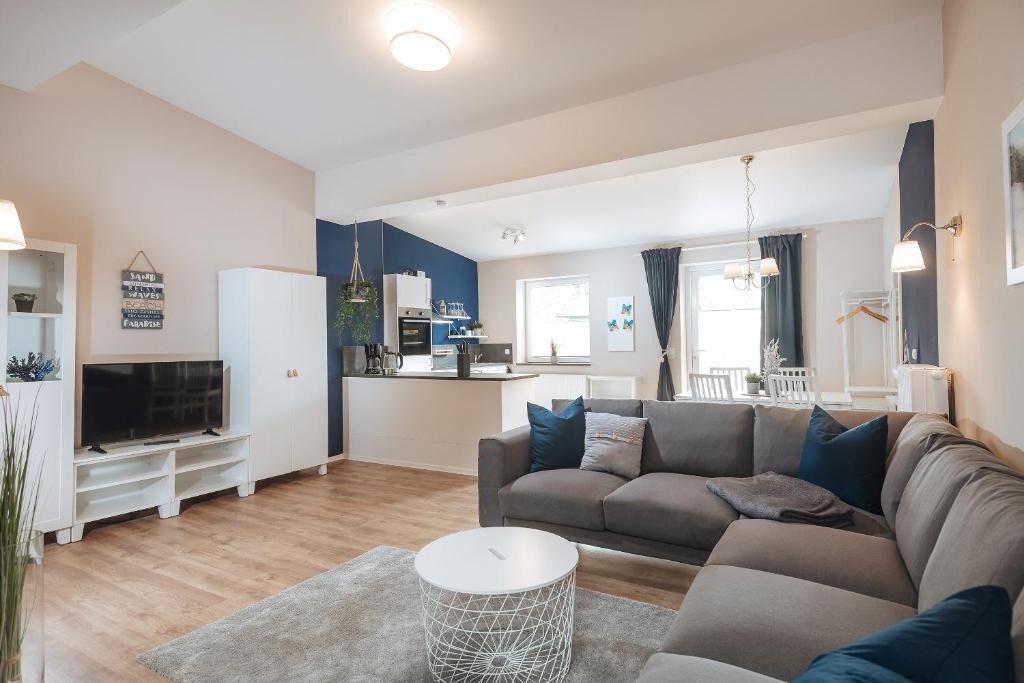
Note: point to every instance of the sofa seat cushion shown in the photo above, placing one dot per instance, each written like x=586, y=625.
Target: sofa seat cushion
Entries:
x=667, y=507
x=665, y=668
x=571, y=497
x=835, y=557
x=772, y=624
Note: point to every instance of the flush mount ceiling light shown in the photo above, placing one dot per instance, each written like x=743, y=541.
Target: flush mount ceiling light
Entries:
x=907, y=257
x=742, y=274
x=422, y=36
x=517, y=235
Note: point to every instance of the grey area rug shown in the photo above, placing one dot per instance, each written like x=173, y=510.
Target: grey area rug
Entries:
x=361, y=622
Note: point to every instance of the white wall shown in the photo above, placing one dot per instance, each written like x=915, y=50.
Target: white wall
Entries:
x=836, y=257
x=613, y=272
x=981, y=319
x=90, y=160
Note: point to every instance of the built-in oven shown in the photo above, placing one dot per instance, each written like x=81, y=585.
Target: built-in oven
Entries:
x=414, y=332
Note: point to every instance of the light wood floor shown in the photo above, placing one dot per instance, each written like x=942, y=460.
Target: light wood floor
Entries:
x=131, y=585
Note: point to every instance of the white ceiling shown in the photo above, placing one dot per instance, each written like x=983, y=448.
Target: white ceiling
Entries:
x=313, y=81
x=840, y=179
x=41, y=38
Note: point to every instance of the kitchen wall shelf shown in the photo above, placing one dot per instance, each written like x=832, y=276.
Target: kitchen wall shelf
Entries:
x=466, y=336
x=456, y=317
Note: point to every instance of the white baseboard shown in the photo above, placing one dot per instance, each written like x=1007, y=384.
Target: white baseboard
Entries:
x=412, y=464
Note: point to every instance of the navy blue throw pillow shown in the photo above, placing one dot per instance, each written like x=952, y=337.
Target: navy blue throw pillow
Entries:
x=848, y=462
x=966, y=637
x=556, y=441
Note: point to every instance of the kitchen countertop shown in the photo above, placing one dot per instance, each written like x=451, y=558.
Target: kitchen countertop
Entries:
x=451, y=374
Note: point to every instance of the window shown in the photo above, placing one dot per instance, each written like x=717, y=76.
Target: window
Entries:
x=557, y=310
x=723, y=324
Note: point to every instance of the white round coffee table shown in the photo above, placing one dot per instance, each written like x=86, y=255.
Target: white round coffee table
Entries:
x=498, y=605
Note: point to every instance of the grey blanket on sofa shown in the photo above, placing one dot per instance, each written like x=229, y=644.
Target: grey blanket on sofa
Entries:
x=783, y=499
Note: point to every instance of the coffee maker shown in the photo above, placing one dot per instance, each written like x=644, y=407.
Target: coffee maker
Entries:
x=374, y=359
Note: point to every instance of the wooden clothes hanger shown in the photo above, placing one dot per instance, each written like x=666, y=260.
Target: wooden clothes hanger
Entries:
x=857, y=311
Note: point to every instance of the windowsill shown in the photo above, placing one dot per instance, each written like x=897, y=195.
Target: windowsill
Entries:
x=572, y=363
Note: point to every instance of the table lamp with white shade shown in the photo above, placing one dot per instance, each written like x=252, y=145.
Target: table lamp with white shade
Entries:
x=11, y=234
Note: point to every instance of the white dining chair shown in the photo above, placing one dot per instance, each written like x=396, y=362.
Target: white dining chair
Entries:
x=737, y=376
x=715, y=388
x=798, y=372
x=793, y=391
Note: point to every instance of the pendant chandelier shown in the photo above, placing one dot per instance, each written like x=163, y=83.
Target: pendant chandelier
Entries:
x=355, y=293
x=743, y=275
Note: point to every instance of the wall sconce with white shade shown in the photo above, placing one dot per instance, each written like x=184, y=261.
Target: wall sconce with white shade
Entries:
x=11, y=235
x=907, y=256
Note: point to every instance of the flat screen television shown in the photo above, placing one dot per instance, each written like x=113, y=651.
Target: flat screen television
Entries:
x=129, y=401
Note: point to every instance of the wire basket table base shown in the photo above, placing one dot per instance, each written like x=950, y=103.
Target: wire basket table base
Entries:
x=501, y=638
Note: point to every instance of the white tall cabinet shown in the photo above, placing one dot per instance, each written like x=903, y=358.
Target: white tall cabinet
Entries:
x=273, y=341
x=47, y=270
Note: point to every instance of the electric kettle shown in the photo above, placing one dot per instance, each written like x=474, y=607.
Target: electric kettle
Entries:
x=392, y=362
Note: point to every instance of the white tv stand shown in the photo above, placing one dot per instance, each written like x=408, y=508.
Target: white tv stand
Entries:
x=135, y=477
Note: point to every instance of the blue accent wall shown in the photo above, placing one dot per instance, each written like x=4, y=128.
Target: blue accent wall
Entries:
x=452, y=276
x=917, y=203
x=383, y=249
x=335, y=246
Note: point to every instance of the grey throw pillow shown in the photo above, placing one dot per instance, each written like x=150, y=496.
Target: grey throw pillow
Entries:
x=613, y=444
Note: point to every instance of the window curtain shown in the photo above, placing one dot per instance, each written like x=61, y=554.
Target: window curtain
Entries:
x=781, y=316
x=662, y=267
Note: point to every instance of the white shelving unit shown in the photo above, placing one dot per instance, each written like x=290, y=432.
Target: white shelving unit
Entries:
x=47, y=271
x=136, y=477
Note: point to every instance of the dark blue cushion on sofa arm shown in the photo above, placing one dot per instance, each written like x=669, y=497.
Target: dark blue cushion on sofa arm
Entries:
x=556, y=441
x=964, y=638
x=848, y=462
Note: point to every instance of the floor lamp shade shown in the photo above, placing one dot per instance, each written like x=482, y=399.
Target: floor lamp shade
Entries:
x=11, y=234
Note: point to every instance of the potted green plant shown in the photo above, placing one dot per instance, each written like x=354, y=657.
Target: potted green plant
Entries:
x=24, y=301
x=21, y=552
x=357, y=309
x=753, y=381
x=554, y=352
x=477, y=329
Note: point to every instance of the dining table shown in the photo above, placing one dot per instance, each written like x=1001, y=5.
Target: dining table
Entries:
x=838, y=400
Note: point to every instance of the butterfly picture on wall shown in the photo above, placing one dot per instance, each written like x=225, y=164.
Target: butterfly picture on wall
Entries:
x=620, y=323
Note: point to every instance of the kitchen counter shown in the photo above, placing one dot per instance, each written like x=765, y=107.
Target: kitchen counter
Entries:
x=431, y=424
x=476, y=376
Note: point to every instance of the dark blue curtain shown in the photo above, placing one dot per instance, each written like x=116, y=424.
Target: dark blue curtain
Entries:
x=662, y=267
x=781, y=316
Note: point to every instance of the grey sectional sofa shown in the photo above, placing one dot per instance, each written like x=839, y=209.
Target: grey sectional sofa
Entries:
x=772, y=596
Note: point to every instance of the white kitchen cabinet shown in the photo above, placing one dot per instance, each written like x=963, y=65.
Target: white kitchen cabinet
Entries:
x=49, y=271
x=273, y=341
x=411, y=291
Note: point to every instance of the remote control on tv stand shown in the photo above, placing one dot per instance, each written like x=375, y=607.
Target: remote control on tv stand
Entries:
x=160, y=442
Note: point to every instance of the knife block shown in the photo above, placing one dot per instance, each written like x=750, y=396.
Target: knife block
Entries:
x=462, y=364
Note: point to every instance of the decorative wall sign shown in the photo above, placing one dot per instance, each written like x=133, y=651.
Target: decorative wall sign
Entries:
x=621, y=322
x=142, y=297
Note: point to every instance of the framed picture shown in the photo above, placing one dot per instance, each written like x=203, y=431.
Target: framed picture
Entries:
x=1013, y=188
x=621, y=322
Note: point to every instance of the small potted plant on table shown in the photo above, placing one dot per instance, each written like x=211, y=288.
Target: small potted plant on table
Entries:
x=753, y=381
